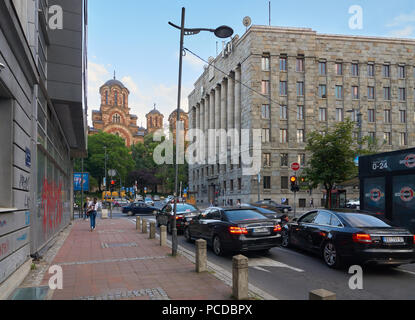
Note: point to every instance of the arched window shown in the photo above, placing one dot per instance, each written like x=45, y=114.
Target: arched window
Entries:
x=116, y=98
x=123, y=100
x=116, y=118
x=106, y=97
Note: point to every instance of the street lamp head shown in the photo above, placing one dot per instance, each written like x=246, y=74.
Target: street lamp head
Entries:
x=224, y=32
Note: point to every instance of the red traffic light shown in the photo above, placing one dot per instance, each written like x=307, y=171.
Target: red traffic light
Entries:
x=112, y=182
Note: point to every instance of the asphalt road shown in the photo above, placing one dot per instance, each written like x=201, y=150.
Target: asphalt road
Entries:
x=289, y=274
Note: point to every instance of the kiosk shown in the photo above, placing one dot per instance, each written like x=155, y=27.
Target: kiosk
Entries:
x=387, y=186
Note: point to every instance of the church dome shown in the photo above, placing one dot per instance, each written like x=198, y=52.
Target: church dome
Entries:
x=114, y=82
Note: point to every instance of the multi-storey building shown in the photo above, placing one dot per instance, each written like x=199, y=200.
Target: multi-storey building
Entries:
x=289, y=82
x=42, y=126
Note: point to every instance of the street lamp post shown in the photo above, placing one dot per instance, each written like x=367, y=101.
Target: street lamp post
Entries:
x=221, y=32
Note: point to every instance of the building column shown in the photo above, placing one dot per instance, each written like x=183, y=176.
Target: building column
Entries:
x=238, y=107
x=231, y=102
x=217, y=106
x=224, y=104
x=206, y=128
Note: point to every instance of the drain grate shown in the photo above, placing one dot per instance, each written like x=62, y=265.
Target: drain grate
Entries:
x=118, y=245
x=153, y=294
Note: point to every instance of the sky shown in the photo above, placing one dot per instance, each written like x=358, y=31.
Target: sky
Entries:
x=133, y=38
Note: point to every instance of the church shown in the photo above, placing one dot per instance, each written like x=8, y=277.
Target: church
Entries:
x=114, y=115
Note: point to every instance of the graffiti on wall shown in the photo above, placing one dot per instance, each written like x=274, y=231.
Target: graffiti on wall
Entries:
x=52, y=206
x=4, y=248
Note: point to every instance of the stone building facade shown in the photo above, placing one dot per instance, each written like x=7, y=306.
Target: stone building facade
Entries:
x=114, y=115
x=184, y=117
x=155, y=121
x=289, y=82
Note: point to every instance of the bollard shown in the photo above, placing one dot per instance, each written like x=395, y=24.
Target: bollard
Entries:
x=152, y=234
x=240, y=277
x=322, y=294
x=138, y=223
x=163, y=236
x=144, y=226
x=201, y=256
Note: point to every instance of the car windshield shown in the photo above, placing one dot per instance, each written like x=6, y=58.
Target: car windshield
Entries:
x=241, y=215
x=186, y=208
x=364, y=221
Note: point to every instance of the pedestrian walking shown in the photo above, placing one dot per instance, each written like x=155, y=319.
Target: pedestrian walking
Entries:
x=93, y=213
x=312, y=203
x=85, y=208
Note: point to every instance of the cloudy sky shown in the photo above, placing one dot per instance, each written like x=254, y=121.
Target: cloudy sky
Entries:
x=133, y=37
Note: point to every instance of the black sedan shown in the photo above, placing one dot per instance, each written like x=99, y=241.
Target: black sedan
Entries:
x=139, y=208
x=269, y=212
x=341, y=237
x=234, y=229
x=272, y=205
x=184, y=211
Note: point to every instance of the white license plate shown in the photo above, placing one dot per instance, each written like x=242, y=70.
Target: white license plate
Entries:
x=261, y=230
x=393, y=240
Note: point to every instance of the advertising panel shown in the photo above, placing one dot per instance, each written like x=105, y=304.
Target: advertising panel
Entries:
x=404, y=201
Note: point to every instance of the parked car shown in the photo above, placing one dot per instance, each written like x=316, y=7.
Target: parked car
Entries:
x=353, y=204
x=234, y=229
x=139, y=198
x=156, y=198
x=149, y=201
x=270, y=212
x=139, y=208
x=341, y=237
x=272, y=205
x=165, y=216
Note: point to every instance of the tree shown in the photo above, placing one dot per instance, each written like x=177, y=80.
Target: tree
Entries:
x=332, y=158
x=118, y=155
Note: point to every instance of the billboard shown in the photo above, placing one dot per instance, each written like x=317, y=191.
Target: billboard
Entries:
x=77, y=177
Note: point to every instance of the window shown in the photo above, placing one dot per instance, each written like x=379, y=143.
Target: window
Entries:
x=265, y=87
x=339, y=115
x=388, y=116
x=116, y=118
x=239, y=184
x=300, y=65
x=300, y=89
x=265, y=135
x=267, y=160
x=386, y=71
x=309, y=218
x=355, y=69
x=401, y=72
x=387, y=138
x=284, y=183
x=355, y=92
x=106, y=97
x=371, y=70
x=284, y=160
x=323, y=218
x=323, y=114
x=402, y=116
x=283, y=136
x=283, y=63
x=265, y=111
x=300, y=136
x=300, y=112
x=123, y=100
x=402, y=139
x=265, y=63
x=322, y=91
x=267, y=183
x=232, y=186
x=339, y=92
x=301, y=159
x=371, y=115
x=387, y=93
x=116, y=98
x=322, y=68
x=283, y=88
x=339, y=69
x=372, y=137
x=402, y=94
x=283, y=113
x=371, y=93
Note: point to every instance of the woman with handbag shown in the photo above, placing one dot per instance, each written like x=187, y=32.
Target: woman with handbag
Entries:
x=93, y=213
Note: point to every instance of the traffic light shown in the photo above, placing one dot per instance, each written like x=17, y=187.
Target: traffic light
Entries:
x=294, y=184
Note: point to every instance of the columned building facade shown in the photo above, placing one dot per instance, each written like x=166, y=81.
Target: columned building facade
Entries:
x=289, y=82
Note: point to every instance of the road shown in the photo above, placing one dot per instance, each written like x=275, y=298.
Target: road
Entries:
x=289, y=274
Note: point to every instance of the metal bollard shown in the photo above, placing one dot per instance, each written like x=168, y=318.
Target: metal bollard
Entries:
x=240, y=277
x=138, y=223
x=163, y=236
x=322, y=294
x=201, y=256
x=152, y=234
x=144, y=226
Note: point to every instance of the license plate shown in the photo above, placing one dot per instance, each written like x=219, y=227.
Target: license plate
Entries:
x=393, y=240
x=261, y=230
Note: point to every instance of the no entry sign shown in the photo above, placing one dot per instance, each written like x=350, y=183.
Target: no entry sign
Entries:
x=295, y=166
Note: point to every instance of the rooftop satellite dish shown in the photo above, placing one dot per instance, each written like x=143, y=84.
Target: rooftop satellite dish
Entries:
x=247, y=22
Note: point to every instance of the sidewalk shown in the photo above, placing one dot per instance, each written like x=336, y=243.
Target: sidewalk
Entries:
x=116, y=262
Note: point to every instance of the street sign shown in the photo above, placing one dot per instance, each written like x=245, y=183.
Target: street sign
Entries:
x=112, y=173
x=295, y=166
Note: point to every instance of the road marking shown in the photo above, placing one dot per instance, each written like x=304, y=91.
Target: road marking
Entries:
x=262, y=269
x=405, y=271
x=266, y=262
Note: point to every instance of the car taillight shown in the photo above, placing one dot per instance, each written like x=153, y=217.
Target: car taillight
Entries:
x=179, y=217
x=414, y=239
x=362, y=238
x=277, y=228
x=237, y=230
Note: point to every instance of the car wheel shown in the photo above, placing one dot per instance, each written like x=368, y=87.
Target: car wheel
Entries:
x=285, y=243
x=331, y=256
x=217, y=246
x=187, y=235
